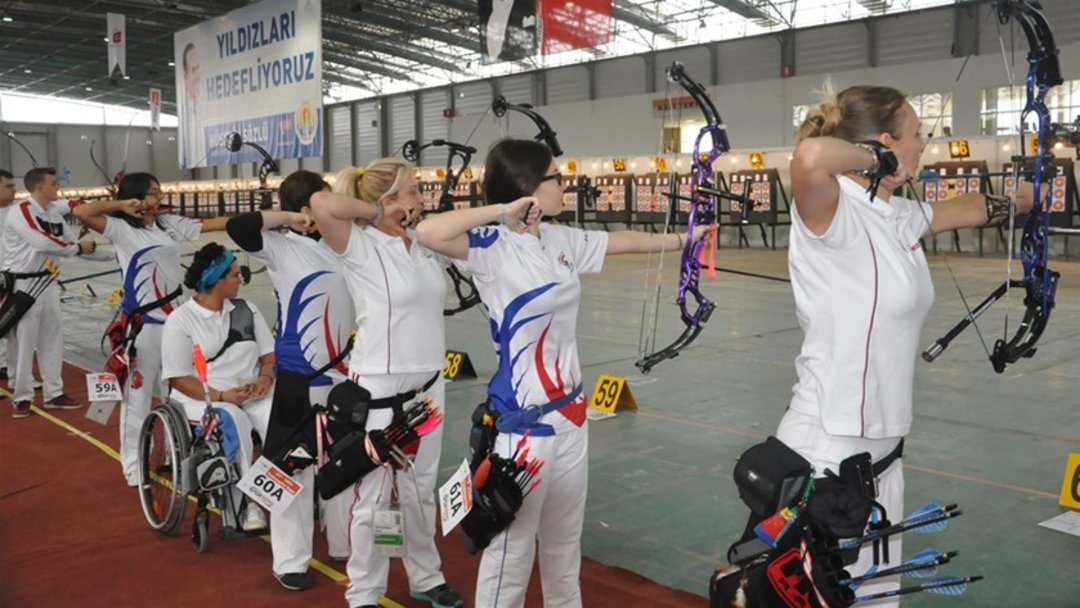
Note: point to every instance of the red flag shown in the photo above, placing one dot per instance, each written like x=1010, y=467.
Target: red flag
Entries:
x=575, y=24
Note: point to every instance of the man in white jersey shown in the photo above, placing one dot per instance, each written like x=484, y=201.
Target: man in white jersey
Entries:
x=7, y=196
x=315, y=316
x=37, y=233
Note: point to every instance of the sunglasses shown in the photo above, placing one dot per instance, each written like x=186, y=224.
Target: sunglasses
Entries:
x=554, y=176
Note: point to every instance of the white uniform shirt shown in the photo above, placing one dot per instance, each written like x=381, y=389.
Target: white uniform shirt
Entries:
x=862, y=292
x=35, y=233
x=315, y=313
x=532, y=292
x=192, y=324
x=399, y=296
x=3, y=222
x=150, y=260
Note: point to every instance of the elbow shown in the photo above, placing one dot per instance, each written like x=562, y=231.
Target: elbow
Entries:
x=808, y=156
x=425, y=233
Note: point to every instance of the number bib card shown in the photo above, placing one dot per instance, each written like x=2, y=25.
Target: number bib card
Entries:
x=455, y=498
x=389, y=539
x=102, y=387
x=269, y=486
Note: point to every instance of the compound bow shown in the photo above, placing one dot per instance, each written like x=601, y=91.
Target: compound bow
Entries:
x=1039, y=282
x=459, y=155
x=702, y=212
x=234, y=141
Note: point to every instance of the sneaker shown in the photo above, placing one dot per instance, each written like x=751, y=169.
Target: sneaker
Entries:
x=62, y=402
x=132, y=479
x=294, y=581
x=254, y=519
x=37, y=384
x=440, y=597
x=22, y=409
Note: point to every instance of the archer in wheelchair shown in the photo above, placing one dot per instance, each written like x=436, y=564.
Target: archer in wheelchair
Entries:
x=200, y=441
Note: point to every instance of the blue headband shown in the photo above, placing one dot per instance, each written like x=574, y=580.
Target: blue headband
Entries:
x=214, y=271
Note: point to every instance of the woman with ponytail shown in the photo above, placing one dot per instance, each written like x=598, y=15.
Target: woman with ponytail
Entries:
x=398, y=292
x=862, y=286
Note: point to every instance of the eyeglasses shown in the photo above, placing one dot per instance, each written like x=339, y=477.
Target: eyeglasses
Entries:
x=554, y=176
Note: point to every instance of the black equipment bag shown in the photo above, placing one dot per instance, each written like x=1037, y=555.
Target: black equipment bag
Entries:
x=496, y=503
x=12, y=311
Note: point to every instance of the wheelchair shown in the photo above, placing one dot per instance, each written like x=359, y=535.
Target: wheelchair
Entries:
x=176, y=466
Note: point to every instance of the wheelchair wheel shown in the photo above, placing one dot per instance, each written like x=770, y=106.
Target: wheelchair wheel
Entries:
x=163, y=443
x=200, y=531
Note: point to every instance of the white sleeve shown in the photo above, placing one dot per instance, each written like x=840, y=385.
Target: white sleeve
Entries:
x=588, y=247
x=488, y=250
x=840, y=233
x=262, y=332
x=114, y=229
x=189, y=229
x=26, y=226
x=917, y=217
x=175, y=350
x=274, y=245
x=359, y=247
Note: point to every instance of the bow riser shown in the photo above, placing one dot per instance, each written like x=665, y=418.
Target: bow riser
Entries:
x=1039, y=282
x=702, y=212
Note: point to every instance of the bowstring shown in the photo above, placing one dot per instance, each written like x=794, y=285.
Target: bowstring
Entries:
x=945, y=258
x=647, y=338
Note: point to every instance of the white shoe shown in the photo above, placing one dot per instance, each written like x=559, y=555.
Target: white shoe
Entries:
x=254, y=518
x=132, y=479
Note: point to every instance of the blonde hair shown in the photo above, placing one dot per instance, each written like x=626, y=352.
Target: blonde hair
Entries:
x=382, y=177
x=855, y=114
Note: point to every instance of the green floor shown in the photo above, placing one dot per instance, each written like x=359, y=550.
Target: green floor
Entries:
x=661, y=499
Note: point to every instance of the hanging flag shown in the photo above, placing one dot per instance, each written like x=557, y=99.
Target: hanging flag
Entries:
x=155, y=109
x=575, y=24
x=114, y=30
x=507, y=30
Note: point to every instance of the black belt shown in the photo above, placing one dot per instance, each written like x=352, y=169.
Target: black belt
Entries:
x=880, y=466
x=400, y=399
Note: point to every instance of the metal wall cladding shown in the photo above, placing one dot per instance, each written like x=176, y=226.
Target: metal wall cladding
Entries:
x=433, y=124
x=832, y=48
x=473, y=98
x=340, y=144
x=367, y=141
x=620, y=77
x=696, y=60
x=749, y=59
x=914, y=37
x=402, y=121
x=517, y=89
x=566, y=85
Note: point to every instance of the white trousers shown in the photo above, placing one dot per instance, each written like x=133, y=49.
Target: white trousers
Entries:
x=553, y=516
x=39, y=330
x=136, y=404
x=292, y=531
x=805, y=434
x=4, y=355
x=368, y=571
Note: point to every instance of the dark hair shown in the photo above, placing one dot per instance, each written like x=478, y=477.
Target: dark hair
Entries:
x=36, y=176
x=6, y=174
x=183, y=56
x=133, y=185
x=514, y=168
x=857, y=114
x=296, y=190
x=203, y=258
